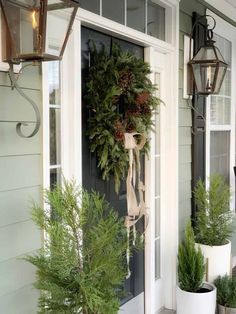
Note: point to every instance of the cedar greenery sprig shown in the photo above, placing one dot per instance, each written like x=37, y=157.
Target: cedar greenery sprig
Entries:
x=121, y=99
x=214, y=217
x=82, y=265
x=226, y=291
x=191, y=267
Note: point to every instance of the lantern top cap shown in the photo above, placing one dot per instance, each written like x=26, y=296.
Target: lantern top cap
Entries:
x=209, y=53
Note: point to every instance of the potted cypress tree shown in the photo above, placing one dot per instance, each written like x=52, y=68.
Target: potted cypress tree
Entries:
x=213, y=225
x=82, y=265
x=226, y=294
x=193, y=295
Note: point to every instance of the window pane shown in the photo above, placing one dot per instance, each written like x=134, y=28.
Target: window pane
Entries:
x=157, y=218
x=226, y=84
x=157, y=116
x=155, y=20
x=55, y=132
x=90, y=5
x=220, y=110
x=220, y=153
x=114, y=10
x=157, y=133
x=136, y=14
x=157, y=259
x=157, y=175
x=55, y=177
x=54, y=83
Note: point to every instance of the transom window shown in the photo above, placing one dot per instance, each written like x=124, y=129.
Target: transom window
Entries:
x=146, y=16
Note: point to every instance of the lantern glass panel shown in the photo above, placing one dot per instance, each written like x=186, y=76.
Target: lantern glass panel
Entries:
x=57, y=25
x=23, y=24
x=208, y=74
x=220, y=77
x=204, y=76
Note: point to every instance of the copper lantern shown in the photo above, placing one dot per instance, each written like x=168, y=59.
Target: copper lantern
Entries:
x=36, y=30
x=208, y=65
x=209, y=68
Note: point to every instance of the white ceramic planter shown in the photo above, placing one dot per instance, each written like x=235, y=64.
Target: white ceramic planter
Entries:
x=226, y=310
x=218, y=260
x=196, y=303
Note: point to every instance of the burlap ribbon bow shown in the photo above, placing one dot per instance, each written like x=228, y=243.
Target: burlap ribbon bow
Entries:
x=134, y=142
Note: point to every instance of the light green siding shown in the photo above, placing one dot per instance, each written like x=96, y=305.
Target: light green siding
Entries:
x=20, y=184
x=187, y=7
x=24, y=301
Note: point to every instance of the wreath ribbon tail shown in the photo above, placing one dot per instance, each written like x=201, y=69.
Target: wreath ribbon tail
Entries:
x=134, y=234
x=128, y=250
x=136, y=209
x=132, y=204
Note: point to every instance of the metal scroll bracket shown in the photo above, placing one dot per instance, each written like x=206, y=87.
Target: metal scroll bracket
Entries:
x=19, y=124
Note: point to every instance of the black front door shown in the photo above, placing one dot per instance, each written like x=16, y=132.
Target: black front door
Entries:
x=91, y=178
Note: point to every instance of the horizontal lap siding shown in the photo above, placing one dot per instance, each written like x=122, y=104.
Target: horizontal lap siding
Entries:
x=185, y=121
x=24, y=301
x=20, y=185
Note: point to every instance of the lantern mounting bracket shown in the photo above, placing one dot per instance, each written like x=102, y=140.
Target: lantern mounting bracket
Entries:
x=20, y=124
x=29, y=32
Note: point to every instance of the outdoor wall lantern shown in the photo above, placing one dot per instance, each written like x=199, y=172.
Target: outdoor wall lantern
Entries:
x=32, y=29
x=35, y=30
x=207, y=66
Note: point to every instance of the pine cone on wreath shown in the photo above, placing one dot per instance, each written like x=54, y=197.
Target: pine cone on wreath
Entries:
x=142, y=98
x=125, y=80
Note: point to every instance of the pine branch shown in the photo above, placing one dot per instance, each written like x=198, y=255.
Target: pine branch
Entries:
x=82, y=266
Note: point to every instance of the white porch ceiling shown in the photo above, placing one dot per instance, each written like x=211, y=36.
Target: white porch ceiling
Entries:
x=232, y=2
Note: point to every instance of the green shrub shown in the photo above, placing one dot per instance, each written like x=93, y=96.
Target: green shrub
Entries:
x=191, y=267
x=214, y=217
x=82, y=265
x=226, y=291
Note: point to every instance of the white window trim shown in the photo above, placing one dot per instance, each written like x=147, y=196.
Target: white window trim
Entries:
x=227, y=31
x=71, y=109
x=46, y=129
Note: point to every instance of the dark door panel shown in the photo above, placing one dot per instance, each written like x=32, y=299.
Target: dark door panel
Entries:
x=91, y=178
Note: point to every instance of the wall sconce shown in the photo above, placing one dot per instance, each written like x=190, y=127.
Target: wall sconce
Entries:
x=31, y=29
x=207, y=67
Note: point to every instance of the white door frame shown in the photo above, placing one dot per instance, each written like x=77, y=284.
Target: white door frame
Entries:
x=71, y=128
x=168, y=196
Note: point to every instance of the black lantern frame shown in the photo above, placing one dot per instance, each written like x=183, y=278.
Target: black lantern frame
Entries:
x=29, y=19
x=208, y=66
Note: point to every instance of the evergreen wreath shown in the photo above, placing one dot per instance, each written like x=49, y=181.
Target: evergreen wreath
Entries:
x=121, y=99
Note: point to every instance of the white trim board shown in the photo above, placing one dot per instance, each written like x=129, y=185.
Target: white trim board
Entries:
x=110, y=27
x=228, y=32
